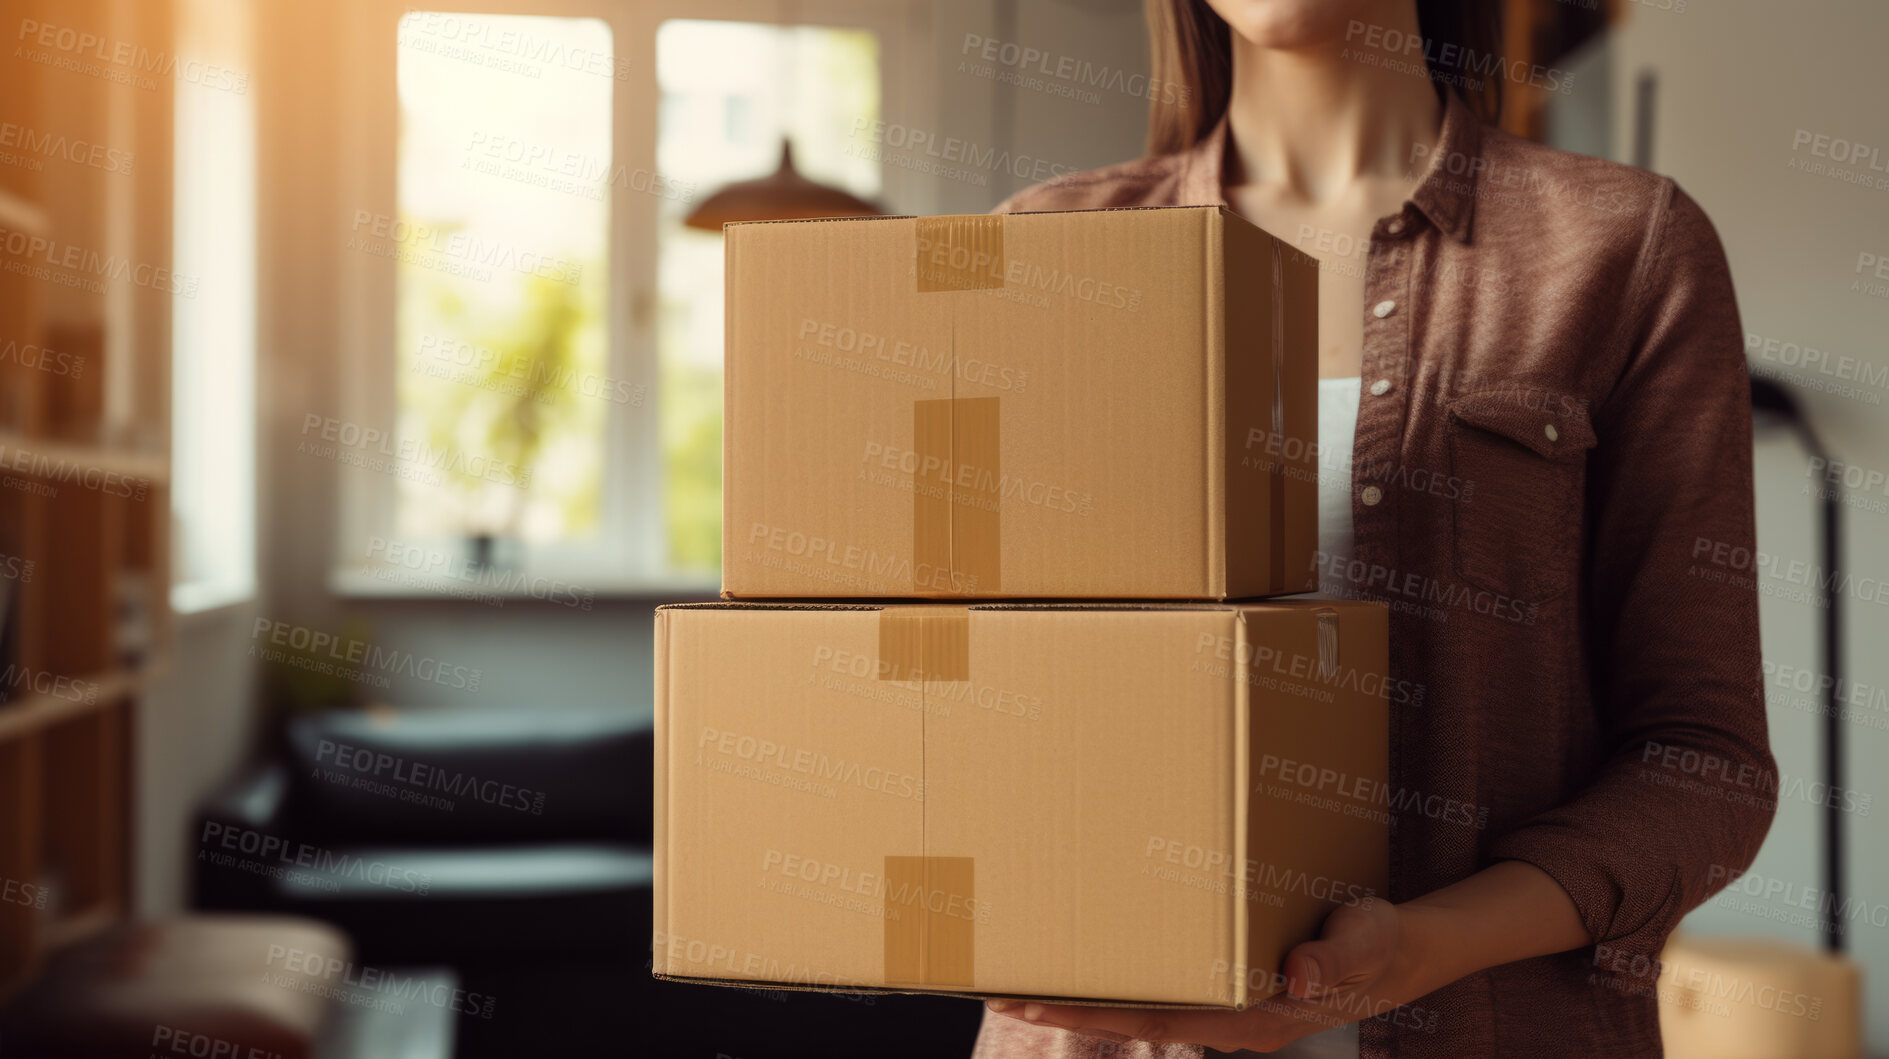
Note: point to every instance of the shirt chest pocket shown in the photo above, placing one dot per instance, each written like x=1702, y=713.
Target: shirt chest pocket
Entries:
x=1521, y=454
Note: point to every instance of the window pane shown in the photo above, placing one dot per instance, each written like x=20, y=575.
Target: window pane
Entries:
x=730, y=92
x=500, y=248
x=213, y=377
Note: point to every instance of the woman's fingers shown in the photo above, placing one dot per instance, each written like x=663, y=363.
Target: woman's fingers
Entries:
x=1356, y=944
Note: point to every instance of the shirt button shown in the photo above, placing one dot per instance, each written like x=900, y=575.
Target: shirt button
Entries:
x=1372, y=494
x=1553, y=434
x=1396, y=226
x=1383, y=309
x=1382, y=387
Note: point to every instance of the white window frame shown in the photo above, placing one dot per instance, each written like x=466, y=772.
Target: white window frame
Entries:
x=632, y=516
x=213, y=337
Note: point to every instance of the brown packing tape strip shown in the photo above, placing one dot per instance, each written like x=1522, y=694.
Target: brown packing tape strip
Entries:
x=924, y=643
x=959, y=253
x=957, y=495
x=930, y=924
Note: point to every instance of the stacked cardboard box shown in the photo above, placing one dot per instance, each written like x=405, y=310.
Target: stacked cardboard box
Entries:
x=1133, y=792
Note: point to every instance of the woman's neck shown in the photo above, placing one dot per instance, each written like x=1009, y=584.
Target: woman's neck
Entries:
x=1313, y=123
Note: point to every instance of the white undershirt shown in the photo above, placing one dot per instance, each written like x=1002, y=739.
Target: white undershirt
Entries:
x=1337, y=427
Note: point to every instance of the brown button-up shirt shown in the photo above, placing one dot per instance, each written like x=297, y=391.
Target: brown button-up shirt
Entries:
x=1551, y=486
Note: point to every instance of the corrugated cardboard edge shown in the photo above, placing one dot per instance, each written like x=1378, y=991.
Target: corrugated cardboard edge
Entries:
x=1300, y=377
x=1213, y=269
x=659, y=882
x=877, y=990
x=1248, y=389
x=1256, y=501
x=1242, y=749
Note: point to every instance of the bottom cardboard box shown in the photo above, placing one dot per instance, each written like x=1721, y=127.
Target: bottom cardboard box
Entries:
x=1133, y=803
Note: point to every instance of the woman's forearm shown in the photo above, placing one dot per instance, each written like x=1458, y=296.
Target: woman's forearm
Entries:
x=1509, y=911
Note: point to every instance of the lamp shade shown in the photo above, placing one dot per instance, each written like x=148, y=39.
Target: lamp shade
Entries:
x=784, y=195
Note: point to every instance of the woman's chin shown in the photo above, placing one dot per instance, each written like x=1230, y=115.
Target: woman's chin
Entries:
x=1293, y=25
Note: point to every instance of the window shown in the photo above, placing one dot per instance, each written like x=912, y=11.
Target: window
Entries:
x=730, y=92
x=532, y=330
x=213, y=335
x=504, y=380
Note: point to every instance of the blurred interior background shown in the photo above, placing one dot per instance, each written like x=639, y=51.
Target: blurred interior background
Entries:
x=361, y=398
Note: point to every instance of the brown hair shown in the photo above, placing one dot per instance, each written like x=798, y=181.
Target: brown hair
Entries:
x=1193, y=57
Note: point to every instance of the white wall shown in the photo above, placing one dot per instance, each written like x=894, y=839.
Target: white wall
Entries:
x=194, y=728
x=1737, y=79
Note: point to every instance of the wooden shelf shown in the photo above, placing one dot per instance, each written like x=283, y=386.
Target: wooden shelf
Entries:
x=19, y=215
x=105, y=458
x=35, y=712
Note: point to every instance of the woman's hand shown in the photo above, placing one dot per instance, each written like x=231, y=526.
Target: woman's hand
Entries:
x=1354, y=970
x=1368, y=959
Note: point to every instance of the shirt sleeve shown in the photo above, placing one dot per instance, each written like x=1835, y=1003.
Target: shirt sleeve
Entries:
x=1687, y=790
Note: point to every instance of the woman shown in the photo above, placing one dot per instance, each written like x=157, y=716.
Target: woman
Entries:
x=1538, y=436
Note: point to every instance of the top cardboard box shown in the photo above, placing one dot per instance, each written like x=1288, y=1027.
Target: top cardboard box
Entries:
x=1098, y=404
